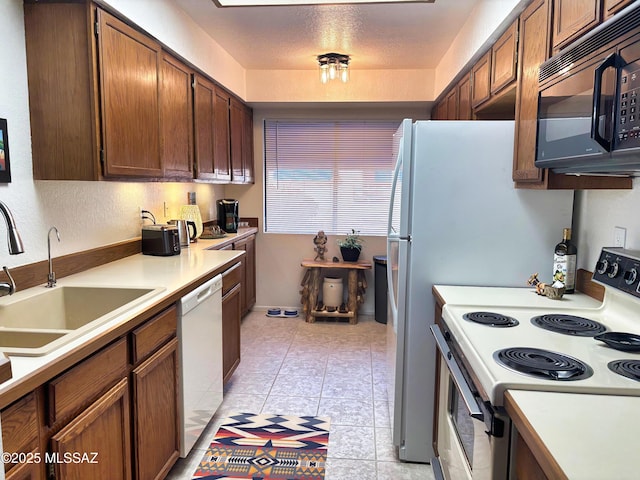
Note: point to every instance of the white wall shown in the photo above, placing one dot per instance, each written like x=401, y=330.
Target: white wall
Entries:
x=363, y=86
x=87, y=214
x=598, y=212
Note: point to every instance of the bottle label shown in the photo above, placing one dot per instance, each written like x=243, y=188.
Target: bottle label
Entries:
x=564, y=270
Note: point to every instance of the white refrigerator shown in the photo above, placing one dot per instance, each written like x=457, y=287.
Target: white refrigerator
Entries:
x=455, y=218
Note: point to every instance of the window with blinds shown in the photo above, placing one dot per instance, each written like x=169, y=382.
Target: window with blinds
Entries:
x=328, y=175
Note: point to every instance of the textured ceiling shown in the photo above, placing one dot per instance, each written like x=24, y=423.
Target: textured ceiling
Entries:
x=376, y=36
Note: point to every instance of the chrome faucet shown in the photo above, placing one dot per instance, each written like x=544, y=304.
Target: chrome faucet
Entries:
x=14, y=242
x=51, y=279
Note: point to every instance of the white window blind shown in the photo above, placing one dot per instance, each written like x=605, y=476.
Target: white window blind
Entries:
x=328, y=175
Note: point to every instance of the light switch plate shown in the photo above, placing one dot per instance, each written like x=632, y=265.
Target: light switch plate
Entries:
x=619, y=236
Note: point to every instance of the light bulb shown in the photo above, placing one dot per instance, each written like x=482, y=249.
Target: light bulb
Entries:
x=324, y=73
x=344, y=72
x=333, y=71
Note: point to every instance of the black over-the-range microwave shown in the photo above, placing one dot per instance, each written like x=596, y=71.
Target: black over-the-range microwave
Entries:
x=589, y=102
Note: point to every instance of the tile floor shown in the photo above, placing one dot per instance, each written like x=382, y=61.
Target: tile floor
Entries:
x=326, y=368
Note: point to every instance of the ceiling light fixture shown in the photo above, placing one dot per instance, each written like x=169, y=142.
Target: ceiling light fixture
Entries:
x=333, y=66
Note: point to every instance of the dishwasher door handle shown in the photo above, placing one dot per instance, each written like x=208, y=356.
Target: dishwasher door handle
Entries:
x=204, y=294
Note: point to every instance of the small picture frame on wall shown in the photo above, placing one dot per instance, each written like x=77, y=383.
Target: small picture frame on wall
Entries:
x=5, y=168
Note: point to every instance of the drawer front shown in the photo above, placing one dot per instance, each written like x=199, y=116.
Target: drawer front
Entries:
x=231, y=277
x=153, y=334
x=82, y=384
x=20, y=427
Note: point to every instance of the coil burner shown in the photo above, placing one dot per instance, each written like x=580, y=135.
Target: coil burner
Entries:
x=491, y=319
x=626, y=368
x=569, y=324
x=543, y=364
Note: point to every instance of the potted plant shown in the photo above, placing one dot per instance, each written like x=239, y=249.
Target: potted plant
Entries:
x=351, y=246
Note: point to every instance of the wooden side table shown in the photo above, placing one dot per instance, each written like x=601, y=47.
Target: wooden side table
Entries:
x=313, y=278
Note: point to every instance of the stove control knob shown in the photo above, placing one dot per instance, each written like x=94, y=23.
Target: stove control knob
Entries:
x=602, y=266
x=630, y=276
x=612, y=271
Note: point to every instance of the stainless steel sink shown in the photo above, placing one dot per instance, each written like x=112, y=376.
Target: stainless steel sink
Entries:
x=37, y=321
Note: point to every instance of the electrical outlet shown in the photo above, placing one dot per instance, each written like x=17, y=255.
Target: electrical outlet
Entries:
x=619, y=236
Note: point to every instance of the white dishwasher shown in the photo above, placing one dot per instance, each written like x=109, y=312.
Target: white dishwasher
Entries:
x=200, y=349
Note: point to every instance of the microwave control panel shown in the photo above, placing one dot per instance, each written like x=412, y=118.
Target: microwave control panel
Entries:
x=628, y=128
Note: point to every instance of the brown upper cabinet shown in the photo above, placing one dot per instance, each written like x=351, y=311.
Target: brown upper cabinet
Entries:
x=533, y=50
x=611, y=7
x=176, y=101
x=504, y=55
x=107, y=102
x=464, y=98
x=493, y=76
x=451, y=101
x=241, y=142
x=481, y=80
x=129, y=98
x=572, y=19
x=88, y=122
x=211, y=131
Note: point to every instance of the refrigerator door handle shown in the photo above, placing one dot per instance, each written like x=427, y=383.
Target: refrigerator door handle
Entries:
x=394, y=186
x=393, y=237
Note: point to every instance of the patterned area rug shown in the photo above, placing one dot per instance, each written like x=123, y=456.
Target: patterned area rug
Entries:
x=282, y=447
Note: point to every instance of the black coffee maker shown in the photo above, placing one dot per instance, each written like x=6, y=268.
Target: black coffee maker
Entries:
x=228, y=215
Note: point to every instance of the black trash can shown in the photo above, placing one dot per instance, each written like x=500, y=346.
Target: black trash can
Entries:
x=380, y=274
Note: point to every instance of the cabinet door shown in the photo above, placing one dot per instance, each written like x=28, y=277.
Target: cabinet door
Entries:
x=155, y=406
x=221, y=150
x=611, y=7
x=62, y=93
x=571, y=19
x=247, y=144
x=503, y=59
x=452, y=104
x=249, y=274
x=464, y=98
x=176, y=102
x=20, y=427
x=27, y=471
x=103, y=428
x=129, y=82
x=481, y=80
x=533, y=50
x=237, y=119
x=231, y=317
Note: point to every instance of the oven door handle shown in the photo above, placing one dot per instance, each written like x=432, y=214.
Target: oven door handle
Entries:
x=461, y=384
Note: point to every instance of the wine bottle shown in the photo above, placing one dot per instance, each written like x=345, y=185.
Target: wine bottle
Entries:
x=564, y=262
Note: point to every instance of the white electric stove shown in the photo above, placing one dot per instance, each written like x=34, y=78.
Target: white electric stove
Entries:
x=551, y=335
x=496, y=339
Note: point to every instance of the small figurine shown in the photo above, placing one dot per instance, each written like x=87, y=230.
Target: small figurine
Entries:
x=320, y=242
x=554, y=291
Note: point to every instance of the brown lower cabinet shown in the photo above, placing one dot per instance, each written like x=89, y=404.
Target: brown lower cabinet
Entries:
x=231, y=320
x=155, y=415
x=101, y=433
x=112, y=415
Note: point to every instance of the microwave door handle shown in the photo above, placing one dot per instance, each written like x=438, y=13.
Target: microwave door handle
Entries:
x=609, y=62
x=456, y=374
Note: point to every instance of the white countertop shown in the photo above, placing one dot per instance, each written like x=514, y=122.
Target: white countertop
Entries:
x=168, y=274
x=511, y=297
x=591, y=437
